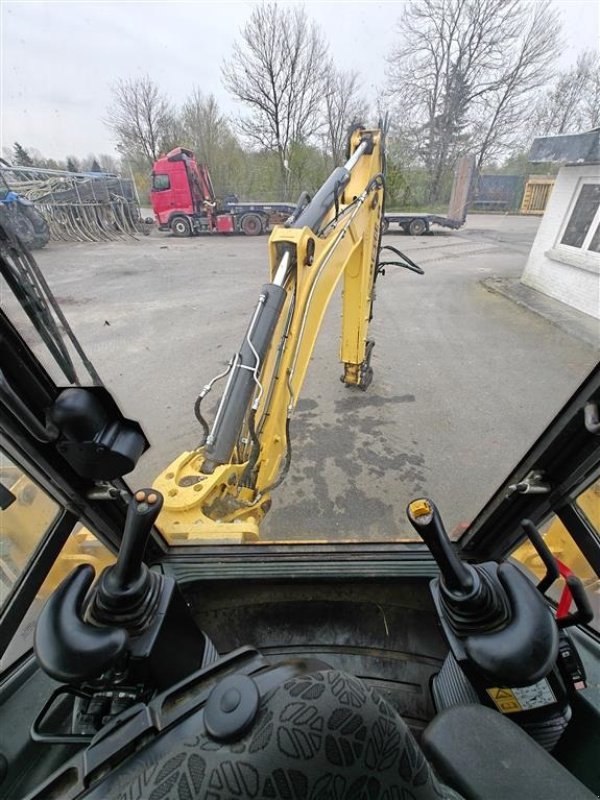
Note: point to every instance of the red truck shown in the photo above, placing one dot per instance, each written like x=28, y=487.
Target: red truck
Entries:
x=184, y=201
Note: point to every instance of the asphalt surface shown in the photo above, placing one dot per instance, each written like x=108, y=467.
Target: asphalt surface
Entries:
x=464, y=381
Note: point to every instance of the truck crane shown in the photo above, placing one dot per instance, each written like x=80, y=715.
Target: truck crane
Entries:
x=184, y=201
x=428, y=670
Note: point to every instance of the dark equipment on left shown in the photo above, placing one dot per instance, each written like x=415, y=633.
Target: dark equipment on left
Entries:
x=19, y=215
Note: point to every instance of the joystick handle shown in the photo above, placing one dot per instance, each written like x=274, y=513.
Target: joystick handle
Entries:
x=495, y=620
x=425, y=518
x=67, y=648
x=128, y=593
x=144, y=508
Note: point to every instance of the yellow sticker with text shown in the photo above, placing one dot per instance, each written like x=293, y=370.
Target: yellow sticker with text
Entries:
x=504, y=700
x=522, y=698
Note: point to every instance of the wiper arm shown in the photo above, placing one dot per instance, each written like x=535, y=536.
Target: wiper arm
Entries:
x=29, y=286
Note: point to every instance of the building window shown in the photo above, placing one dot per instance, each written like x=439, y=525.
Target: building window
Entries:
x=160, y=183
x=582, y=230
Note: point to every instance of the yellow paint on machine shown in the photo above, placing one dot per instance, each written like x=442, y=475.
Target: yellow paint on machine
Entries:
x=226, y=504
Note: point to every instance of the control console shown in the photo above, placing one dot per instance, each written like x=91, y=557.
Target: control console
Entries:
x=113, y=643
x=505, y=644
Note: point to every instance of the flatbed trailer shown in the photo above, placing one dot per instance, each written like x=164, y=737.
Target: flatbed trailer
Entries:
x=254, y=218
x=417, y=223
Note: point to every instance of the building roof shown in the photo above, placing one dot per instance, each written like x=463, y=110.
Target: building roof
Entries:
x=573, y=149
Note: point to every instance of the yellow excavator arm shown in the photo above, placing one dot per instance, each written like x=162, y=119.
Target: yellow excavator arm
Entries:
x=221, y=490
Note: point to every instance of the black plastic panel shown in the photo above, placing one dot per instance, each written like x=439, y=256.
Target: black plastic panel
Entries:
x=386, y=635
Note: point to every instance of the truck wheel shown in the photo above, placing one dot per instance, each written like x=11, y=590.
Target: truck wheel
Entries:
x=180, y=226
x=417, y=227
x=251, y=224
x=384, y=225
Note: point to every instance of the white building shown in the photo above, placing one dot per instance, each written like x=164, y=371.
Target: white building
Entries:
x=564, y=261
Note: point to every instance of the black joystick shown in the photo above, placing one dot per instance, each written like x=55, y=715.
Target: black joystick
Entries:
x=121, y=634
x=473, y=601
x=66, y=648
x=128, y=593
x=458, y=578
x=495, y=620
x=144, y=508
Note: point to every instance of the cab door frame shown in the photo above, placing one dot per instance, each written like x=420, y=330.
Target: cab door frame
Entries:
x=23, y=375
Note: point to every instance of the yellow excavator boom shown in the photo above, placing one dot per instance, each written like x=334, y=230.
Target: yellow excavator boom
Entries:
x=221, y=490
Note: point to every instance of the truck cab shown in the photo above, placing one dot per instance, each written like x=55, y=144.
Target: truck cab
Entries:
x=182, y=194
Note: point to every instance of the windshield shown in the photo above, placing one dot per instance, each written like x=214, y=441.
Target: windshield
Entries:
x=492, y=187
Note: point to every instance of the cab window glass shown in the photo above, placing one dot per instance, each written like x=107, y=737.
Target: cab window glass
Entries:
x=82, y=547
x=161, y=182
x=27, y=514
x=566, y=551
x=589, y=503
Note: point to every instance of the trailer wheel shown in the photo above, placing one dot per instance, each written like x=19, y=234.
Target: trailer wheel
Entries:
x=251, y=224
x=180, y=226
x=384, y=225
x=418, y=227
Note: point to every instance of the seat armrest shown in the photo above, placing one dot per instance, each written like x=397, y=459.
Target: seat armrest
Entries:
x=485, y=756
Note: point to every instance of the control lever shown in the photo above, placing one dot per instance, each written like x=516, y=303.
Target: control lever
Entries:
x=584, y=613
x=548, y=560
x=68, y=649
x=128, y=593
x=148, y=605
x=574, y=588
x=458, y=577
x=120, y=636
x=473, y=601
x=144, y=508
x=499, y=627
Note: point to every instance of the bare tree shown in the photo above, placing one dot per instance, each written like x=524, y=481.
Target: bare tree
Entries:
x=591, y=100
x=528, y=64
x=343, y=107
x=141, y=119
x=573, y=103
x=276, y=70
x=208, y=133
x=204, y=128
x=110, y=163
x=463, y=64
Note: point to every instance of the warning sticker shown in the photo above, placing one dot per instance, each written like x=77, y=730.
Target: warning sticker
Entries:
x=504, y=700
x=524, y=698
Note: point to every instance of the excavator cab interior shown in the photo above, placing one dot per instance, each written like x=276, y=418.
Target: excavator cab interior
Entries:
x=133, y=667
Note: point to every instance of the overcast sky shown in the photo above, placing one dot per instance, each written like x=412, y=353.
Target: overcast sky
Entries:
x=59, y=59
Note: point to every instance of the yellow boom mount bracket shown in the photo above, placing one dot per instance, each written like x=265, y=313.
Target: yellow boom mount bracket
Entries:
x=221, y=490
